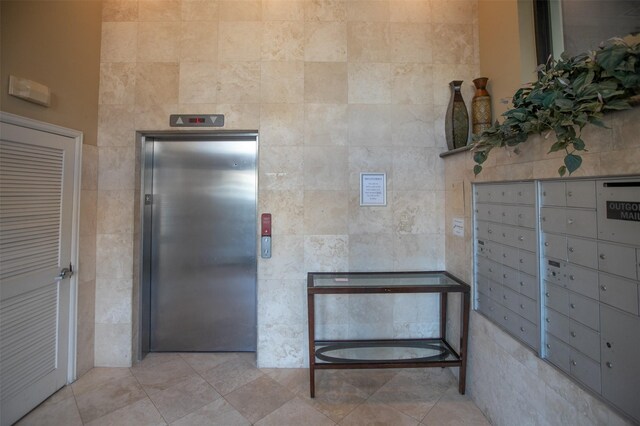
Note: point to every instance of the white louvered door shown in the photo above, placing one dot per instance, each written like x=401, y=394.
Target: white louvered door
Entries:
x=36, y=215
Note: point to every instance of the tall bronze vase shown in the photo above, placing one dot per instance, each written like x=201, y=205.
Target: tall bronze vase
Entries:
x=456, y=124
x=481, y=107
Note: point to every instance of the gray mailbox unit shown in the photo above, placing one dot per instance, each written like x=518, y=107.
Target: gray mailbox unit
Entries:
x=506, y=258
x=589, y=286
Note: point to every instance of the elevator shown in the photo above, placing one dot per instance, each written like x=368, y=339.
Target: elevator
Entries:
x=199, y=214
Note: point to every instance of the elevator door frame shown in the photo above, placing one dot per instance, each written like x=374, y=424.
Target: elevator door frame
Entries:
x=145, y=140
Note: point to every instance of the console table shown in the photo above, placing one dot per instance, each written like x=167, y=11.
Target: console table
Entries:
x=388, y=353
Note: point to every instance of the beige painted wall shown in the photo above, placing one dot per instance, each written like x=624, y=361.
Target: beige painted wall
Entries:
x=57, y=43
x=507, y=49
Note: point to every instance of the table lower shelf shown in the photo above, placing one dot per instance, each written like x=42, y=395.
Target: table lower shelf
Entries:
x=396, y=353
x=399, y=352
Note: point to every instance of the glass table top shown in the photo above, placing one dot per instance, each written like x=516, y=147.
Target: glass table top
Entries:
x=383, y=279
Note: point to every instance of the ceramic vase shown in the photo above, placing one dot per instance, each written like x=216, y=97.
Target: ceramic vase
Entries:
x=481, y=107
x=456, y=123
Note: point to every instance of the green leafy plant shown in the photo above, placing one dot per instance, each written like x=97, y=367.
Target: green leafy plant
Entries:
x=569, y=94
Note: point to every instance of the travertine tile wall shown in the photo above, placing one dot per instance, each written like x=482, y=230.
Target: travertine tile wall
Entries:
x=506, y=380
x=87, y=260
x=335, y=88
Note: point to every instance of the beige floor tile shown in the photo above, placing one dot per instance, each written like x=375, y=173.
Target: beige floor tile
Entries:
x=217, y=413
x=110, y=396
x=248, y=357
x=368, y=381
x=96, y=377
x=202, y=362
x=259, y=398
x=159, y=373
x=294, y=379
x=182, y=398
x=296, y=412
x=62, y=394
x=56, y=412
x=454, y=409
x=230, y=375
x=371, y=413
x=414, y=391
x=141, y=413
x=335, y=397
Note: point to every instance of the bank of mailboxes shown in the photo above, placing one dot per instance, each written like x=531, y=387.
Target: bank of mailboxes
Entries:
x=557, y=265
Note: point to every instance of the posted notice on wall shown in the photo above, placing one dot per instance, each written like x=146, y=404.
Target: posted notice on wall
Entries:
x=458, y=226
x=373, y=189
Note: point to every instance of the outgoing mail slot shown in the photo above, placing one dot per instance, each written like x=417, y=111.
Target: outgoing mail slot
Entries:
x=619, y=210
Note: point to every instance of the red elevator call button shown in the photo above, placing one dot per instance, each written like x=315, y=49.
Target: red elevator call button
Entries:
x=266, y=225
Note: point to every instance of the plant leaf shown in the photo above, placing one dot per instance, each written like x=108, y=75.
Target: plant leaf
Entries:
x=572, y=162
x=562, y=170
x=477, y=169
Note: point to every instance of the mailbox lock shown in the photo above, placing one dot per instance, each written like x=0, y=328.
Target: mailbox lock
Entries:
x=547, y=320
x=603, y=287
x=573, y=305
x=609, y=345
x=574, y=363
x=602, y=256
x=522, y=329
x=570, y=221
x=546, y=243
x=573, y=334
x=609, y=364
x=571, y=277
x=521, y=306
x=571, y=249
x=548, y=346
x=547, y=294
x=521, y=238
x=570, y=194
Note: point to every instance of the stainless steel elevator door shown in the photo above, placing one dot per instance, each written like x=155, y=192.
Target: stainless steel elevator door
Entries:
x=203, y=245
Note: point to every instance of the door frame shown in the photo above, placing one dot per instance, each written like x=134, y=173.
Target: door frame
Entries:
x=141, y=286
x=77, y=135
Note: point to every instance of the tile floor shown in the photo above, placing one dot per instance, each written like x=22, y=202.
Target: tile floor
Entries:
x=228, y=390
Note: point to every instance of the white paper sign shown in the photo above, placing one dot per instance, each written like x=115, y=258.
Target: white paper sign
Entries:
x=373, y=189
x=458, y=227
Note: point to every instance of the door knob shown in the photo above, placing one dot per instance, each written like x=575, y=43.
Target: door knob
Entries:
x=65, y=273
